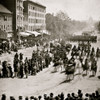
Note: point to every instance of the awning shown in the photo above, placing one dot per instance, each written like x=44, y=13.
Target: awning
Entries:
x=34, y=32
x=45, y=32
x=24, y=34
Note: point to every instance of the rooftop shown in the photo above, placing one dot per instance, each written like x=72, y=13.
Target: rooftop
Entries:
x=4, y=9
x=37, y=3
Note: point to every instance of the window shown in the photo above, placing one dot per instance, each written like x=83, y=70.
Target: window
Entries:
x=33, y=8
x=4, y=27
x=36, y=21
x=31, y=28
x=0, y=27
x=5, y=18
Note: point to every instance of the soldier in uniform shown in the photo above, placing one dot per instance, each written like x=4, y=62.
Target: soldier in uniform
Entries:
x=5, y=69
x=65, y=62
x=0, y=70
x=47, y=60
x=16, y=56
x=20, y=56
x=70, y=69
x=16, y=65
x=98, y=53
x=10, y=70
x=92, y=54
x=21, y=69
x=94, y=67
x=26, y=67
x=86, y=65
x=29, y=66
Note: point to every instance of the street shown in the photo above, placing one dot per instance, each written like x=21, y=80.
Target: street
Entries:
x=46, y=81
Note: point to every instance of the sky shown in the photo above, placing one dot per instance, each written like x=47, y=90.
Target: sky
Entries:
x=76, y=9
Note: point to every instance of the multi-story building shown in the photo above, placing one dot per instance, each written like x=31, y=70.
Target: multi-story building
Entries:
x=6, y=20
x=16, y=7
x=35, y=15
x=25, y=21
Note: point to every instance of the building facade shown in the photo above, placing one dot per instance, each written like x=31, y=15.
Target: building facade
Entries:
x=35, y=15
x=25, y=21
x=16, y=7
x=6, y=20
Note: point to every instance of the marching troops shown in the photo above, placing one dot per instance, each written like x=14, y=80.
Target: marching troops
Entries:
x=86, y=55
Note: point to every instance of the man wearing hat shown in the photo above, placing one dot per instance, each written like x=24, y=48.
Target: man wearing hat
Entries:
x=10, y=70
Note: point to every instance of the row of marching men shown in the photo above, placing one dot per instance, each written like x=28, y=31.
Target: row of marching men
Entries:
x=21, y=68
x=88, y=57
x=42, y=59
x=83, y=57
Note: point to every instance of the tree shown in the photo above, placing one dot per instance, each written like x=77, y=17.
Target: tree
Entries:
x=62, y=15
x=98, y=27
x=61, y=25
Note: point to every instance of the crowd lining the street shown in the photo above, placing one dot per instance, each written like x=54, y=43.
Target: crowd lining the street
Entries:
x=61, y=96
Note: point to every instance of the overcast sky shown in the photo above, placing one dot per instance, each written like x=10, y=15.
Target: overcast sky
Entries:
x=76, y=9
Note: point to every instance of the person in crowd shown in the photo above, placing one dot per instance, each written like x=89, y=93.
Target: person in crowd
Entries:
x=51, y=97
x=86, y=66
x=68, y=97
x=20, y=98
x=4, y=69
x=0, y=69
x=39, y=97
x=47, y=59
x=98, y=53
x=10, y=70
x=26, y=98
x=29, y=66
x=21, y=56
x=21, y=69
x=3, y=97
x=94, y=66
x=16, y=65
x=12, y=98
x=26, y=67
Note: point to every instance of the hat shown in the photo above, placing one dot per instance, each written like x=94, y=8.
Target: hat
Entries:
x=26, y=98
x=20, y=97
x=32, y=97
x=79, y=91
x=39, y=97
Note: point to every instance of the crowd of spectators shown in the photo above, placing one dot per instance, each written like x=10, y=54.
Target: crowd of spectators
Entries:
x=61, y=96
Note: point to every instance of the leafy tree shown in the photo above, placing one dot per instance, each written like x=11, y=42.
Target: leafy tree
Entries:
x=98, y=26
x=61, y=25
